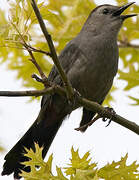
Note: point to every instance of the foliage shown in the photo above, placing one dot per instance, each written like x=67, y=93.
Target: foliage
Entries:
x=64, y=20
x=78, y=169
x=130, y=56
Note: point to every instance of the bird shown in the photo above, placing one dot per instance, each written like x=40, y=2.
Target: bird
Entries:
x=90, y=61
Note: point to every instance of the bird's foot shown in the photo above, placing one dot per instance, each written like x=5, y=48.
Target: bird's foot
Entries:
x=98, y=116
x=111, y=110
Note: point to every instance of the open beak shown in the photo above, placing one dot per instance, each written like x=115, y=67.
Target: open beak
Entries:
x=122, y=9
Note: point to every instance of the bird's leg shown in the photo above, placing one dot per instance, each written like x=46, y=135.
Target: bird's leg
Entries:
x=111, y=110
x=88, y=124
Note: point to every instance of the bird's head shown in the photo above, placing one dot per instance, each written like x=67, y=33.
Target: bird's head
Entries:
x=106, y=18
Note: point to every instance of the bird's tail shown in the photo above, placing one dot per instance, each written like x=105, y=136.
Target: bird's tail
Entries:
x=42, y=131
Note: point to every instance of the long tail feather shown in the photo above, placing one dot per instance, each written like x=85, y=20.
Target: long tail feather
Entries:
x=42, y=131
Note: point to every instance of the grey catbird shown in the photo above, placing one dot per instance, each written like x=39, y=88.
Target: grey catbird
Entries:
x=90, y=61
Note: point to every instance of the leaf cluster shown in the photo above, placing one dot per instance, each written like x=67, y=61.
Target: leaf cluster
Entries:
x=80, y=168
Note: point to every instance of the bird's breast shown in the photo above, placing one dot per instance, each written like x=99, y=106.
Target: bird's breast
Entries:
x=92, y=75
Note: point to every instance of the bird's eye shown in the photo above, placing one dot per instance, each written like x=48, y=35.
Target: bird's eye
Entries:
x=105, y=11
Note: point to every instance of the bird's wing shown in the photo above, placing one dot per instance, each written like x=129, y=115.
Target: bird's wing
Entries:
x=67, y=58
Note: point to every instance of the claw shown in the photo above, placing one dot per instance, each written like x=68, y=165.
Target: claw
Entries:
x=112, y=114
x=108, y=123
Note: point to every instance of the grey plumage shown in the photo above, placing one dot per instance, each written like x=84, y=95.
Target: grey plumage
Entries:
x=90, y=61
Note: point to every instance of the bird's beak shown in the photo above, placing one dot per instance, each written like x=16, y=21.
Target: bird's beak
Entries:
x=122, y=9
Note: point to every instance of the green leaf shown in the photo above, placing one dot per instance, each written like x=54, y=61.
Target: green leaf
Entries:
x=119, y=170
x=36, y=161
x=60, y=175
x=79, y=163
x=79, y=169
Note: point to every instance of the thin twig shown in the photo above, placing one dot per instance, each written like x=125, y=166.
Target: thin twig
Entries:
x=31, y=48
x=48, y=38
x=39, y=50
x=44, y=81
x=33, y=60
x=123, y=44
x=28, y=47
x=13, y=47
x=38, y=79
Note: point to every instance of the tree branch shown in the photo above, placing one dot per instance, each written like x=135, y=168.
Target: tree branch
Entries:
x=48, y=38
x=27, y=93
x=93, y=106
x=50, y=90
